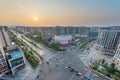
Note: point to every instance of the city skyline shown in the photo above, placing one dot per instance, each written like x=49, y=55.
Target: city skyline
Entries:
x=60, y=12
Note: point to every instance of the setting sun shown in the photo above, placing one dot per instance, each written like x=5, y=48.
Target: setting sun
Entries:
x=35, y=18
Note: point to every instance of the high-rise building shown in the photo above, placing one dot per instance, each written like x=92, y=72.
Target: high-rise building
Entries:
x=47, y=33
x=4, y=38
x=116, y=58
x=59, y=30
x=11, y=57
x=109, y=40
x=94, y=31
x=3, y=63
x=4, y=41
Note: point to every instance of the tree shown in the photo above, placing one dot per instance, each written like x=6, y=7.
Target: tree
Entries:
x=111, y=69
x=5, y=48
x=115, y=77
x=103, y=61
x=95, y=66
x=112, y=65
x=117, y=74
x=99, y=61
x=105, y=65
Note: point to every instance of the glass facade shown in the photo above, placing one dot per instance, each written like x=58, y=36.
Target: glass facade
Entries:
x=17, y=61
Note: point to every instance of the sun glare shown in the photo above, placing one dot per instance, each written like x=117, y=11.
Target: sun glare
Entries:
x=35, y=18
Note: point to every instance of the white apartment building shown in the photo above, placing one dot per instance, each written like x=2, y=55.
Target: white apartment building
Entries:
x=108, y=39
x=116, y=58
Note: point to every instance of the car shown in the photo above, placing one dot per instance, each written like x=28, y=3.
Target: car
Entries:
x=84, y=76
x=57, y=59
x=66, y=68
x=72, y=70
x=69, y=63
x=37, y=77
x=47, y=61
x=69, y=67
x=78, y=74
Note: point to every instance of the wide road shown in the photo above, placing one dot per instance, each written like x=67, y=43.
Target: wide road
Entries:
x=55, y=69
x=58, y=61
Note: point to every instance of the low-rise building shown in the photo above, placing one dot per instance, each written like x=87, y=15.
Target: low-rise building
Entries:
x=15, y=58
x=63, y=39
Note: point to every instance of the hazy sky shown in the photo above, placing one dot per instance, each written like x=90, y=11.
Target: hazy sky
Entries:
x=60, y=12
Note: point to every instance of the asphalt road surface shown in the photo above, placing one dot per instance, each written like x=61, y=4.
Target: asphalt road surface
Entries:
x=55, y=70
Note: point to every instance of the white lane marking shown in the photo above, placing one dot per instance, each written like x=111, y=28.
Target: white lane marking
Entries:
x=52, y=56
x=96, y=75
x=72, y=77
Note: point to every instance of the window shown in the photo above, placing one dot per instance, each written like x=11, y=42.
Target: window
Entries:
x=17, y=62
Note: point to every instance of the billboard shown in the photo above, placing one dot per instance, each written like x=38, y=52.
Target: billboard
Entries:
x=63, y=42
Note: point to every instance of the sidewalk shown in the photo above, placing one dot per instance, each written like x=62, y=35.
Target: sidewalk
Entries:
x=91, y=55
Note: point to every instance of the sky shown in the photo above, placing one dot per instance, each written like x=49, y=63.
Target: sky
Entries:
x=60, y=12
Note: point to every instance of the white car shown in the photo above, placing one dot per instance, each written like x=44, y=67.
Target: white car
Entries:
x=78, y=74
x=66, y=67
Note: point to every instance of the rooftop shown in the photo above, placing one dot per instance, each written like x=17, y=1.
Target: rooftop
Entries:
x=63, y=37
x=12, y=49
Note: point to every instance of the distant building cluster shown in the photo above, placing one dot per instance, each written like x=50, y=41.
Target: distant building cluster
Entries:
x=11, y=56
x=48, y=32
